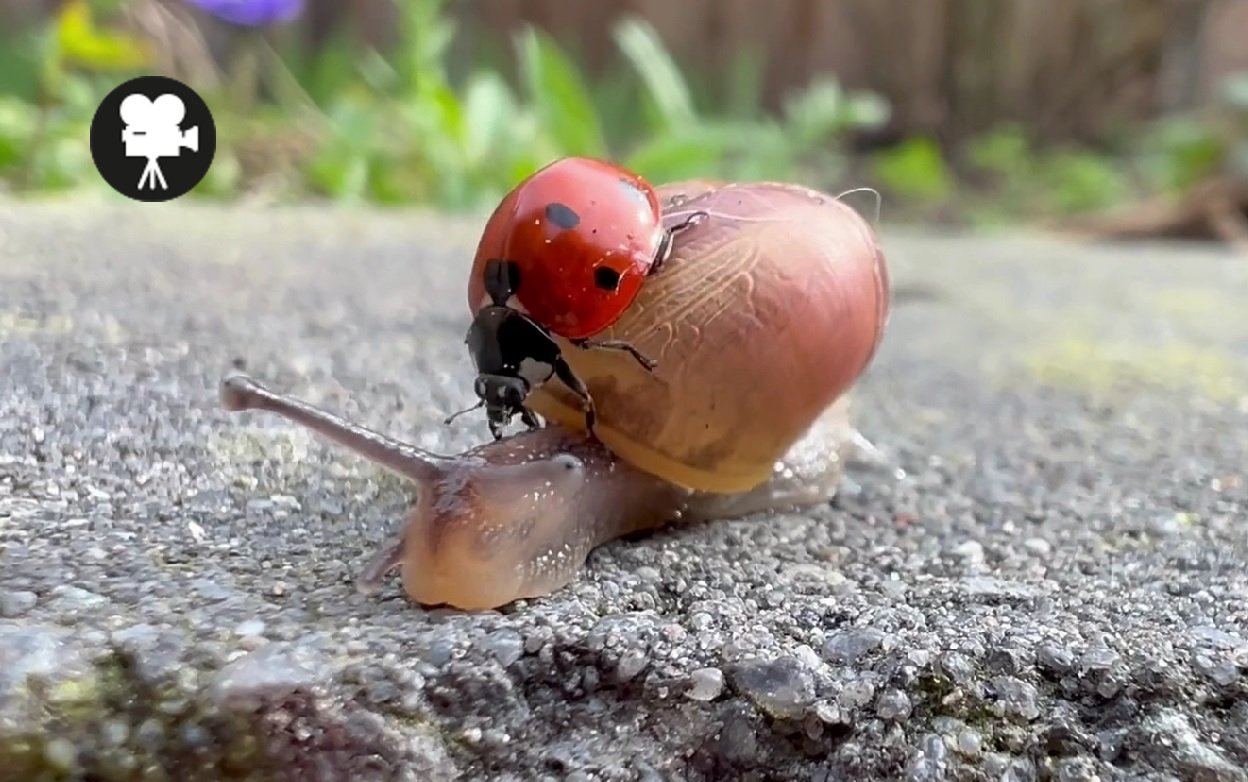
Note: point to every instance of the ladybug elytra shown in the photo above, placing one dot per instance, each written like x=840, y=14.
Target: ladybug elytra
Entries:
x=564, y=254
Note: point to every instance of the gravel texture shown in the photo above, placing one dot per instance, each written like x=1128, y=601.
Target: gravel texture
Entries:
x=1055, y=589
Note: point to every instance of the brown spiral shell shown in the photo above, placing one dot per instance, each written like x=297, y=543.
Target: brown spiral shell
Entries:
x=768, y=310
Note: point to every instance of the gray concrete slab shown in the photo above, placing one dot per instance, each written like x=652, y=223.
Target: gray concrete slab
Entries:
x=1057, y=589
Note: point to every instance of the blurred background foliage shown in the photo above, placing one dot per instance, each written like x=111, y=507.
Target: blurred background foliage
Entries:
x=1083, y=108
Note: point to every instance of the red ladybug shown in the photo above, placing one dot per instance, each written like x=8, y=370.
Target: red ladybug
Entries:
x=565, y=253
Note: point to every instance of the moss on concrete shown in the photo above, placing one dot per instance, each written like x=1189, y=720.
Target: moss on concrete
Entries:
x=1080, y=363
x=104, y=718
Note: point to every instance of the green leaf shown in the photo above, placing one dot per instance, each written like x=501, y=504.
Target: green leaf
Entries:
x=1004, y=151
x=340, y=169
x=1234, y=89
x=223, y=177
x=914, y=169
x=21, y=63
x=327, y=74
x=63, y=163
x=490, y=115
x=1181, y=151
x=377, y=72
x=698, y=152
x=867, y=110
x=427, y=33
x=745, y=84
x=664, y=83
x=1082, y=182
x=559, y=96
x=82, y=43
x=18, y=120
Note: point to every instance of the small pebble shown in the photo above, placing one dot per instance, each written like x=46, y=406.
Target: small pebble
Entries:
x=631, y=663
x=1221, y=671
x=856, y=694
x=1055, y=659
x=15, y=604
x=1038, y=547
x=69, y=599
x=60, y=753
x=737, y=741
x=251, y=627
x=506, y=646
x=828, y=712
x=971, y=551
x=706, y=684
x=930, y=764
x=893, y=705
x=969, y=742
x=957, y=667
x=848, y=646
x=782, y=688
x=1017, y=697
x=1099, y=658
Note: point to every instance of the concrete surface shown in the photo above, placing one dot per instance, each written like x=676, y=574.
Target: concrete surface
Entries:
x=1056, y=589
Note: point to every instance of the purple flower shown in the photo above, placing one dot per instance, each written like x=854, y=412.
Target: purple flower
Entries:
x=251, y=13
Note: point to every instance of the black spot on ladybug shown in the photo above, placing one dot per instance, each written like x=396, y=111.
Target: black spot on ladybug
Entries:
x=501, y=278
x=607, y=278
x=562, y=215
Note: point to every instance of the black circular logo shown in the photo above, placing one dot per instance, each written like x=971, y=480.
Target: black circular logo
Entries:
x=153, y=139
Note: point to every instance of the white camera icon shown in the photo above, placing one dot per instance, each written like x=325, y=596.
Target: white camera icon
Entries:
x=152, y=132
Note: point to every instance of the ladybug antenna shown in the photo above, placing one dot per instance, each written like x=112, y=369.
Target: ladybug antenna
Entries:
x=879, y=199
x=457, y=414
x=668, y=242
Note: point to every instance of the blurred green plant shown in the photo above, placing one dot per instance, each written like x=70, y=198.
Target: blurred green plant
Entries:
x=50, y=85
x=1026, y=180
x=915, y=169
x=406, y=127
x=1179, y=152
x=397, y=128
x=413, y=136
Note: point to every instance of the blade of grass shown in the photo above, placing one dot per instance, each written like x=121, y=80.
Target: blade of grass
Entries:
x=644, y=50
x=698, y=151
x=559, y=95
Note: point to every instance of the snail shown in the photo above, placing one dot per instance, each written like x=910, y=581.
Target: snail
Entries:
x=766, y=315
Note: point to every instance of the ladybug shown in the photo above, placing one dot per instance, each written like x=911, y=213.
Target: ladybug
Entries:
x=564, y=254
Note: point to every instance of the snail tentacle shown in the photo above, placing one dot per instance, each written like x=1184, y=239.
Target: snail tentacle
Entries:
x=240, y=392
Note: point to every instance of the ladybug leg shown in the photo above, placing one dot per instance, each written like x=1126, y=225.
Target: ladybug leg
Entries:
x=616, y=344
x=530, y=418
x=495, y=429
x=669, y=240
x=689, y=222
x=577, y=386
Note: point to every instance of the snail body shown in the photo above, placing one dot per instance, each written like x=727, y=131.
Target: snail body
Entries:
x=768, y=312
x=516, y=518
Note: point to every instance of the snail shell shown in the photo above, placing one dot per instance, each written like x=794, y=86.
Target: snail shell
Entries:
x=768, y=310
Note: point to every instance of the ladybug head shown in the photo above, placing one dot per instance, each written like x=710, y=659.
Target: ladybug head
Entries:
x=502, y=395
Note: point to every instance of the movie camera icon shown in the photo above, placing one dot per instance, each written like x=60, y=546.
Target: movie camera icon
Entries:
x=152, y=132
